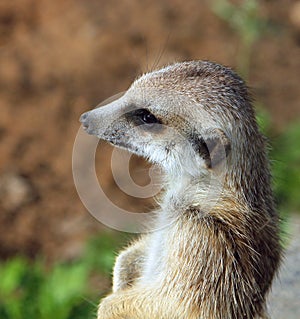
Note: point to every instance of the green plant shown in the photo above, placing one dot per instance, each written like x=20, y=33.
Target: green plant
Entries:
x=61, y=290
x=101, y=251
x=30, y=289
x=245, y=20
x=286, y=168
x=285, y=162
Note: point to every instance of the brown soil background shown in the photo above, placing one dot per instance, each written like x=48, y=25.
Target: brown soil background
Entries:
x=61, y=58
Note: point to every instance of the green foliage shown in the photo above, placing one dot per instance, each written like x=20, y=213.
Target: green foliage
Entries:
x=12, y=274
x=105, y=246
x=245, y=20
x=285, y=157
x=286, y=168
x=61, y=289
x=264, y=120
x=30, y=290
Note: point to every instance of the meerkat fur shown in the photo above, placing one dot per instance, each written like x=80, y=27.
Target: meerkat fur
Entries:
x=216, y=246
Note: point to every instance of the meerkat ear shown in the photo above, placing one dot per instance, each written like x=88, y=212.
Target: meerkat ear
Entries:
x=214, y=146
x=218, y=146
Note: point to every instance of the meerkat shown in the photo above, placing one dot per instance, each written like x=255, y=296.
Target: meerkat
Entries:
x=216, y=248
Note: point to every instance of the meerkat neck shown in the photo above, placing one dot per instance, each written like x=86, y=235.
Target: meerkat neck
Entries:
x=184, y=192
x=224, y=246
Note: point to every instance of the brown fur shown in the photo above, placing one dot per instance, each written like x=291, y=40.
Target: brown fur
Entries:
x=212, y=263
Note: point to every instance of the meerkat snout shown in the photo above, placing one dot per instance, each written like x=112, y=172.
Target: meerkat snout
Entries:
x=84, y=121
x=83, y=117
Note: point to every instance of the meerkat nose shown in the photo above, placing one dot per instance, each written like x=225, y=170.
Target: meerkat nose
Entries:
x=83, y=119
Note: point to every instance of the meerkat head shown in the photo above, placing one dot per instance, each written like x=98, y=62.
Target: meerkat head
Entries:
x=181, y=117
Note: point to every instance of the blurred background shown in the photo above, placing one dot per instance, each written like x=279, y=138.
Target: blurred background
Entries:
x=61, y=58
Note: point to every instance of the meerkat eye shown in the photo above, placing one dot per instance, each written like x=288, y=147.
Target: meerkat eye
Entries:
x=149, y=118
x=143, y=116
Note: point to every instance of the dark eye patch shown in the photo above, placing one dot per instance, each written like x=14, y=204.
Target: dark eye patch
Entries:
x=143, y=117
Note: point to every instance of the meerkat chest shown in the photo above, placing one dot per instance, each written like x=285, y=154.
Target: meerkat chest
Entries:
x=154, y=259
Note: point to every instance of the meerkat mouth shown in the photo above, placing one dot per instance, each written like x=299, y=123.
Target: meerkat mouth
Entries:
x=126, y=146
